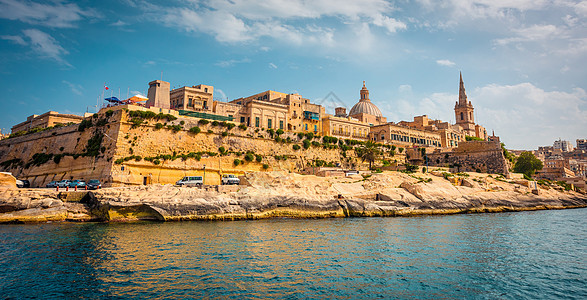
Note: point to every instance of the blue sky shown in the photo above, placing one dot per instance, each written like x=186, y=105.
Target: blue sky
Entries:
x=524, y=62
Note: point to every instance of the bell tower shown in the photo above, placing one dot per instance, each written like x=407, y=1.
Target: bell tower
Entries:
x=464, y=111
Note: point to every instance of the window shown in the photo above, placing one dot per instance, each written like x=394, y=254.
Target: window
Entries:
x=269, y=123
x=242, y=119
x=256, y=121
x=306, y=126
x=461, y=116
x=315, y=128
x=205, y=90
x=281, y=124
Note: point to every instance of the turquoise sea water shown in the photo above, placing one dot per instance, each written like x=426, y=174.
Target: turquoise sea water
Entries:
x=526, y=255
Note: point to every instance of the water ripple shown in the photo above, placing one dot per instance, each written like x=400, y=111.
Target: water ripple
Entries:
x=535, y=255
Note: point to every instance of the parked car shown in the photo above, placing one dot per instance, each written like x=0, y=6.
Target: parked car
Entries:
x=78, y=183
x=351, y=173
x=230, y=179
x=191, y=181
x=63, y=183
x=23, y=183
x=94, y=184
x=52, y=184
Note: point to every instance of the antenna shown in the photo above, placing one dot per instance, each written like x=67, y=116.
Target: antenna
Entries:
x=161, y=75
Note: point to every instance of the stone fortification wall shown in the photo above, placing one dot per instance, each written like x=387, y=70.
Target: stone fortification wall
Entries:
x=179, y=152
x=473, y=156
x=137, y=150
x=63, y=153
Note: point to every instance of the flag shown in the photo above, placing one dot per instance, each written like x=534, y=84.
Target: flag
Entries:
x=106, y=87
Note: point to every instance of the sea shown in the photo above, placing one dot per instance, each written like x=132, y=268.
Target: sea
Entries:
x=518, y=255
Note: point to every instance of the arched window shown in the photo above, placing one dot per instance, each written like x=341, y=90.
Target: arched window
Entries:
x=461, y=116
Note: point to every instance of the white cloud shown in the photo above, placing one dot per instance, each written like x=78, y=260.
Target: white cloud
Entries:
x=119, y=23
x=56, y=14
x=14, y=38
x=294, y=22
x=46, y=46
x=532, y=34
x=392, y=25
x=523, y=115
x=272, y=66
x=526, y=116
x=232, y=62
x=220, y=95
x=405, y=89
x=445, y=62
x=75, y=88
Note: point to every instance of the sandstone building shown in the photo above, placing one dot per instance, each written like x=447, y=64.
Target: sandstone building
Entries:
x=48, y=119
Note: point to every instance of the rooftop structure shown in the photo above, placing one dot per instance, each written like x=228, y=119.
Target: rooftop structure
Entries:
x=48, y=119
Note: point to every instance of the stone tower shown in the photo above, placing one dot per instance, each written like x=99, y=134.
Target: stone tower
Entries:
x=159, y=94
x=464, y=111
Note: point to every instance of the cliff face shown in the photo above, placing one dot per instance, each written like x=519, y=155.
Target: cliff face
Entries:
x=284, y=194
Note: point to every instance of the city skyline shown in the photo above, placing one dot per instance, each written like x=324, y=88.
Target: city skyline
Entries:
x=522, y=63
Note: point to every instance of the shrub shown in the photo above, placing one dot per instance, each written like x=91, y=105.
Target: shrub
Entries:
x=221, y=150
x=473, y=138
x=249, y=157
x=215, y=123
x=210, y=131
x=175, y=128
x=306, y=144
x=136, y=122
x=236, y=162
x=242, y=126
x=265, y=166
x=300, y=135
x=296, y=147
x=258, y=158
x=309, y=135
x=225, y=133
x=85, y=123
x=158, y=126
x=156, y=161
x=195, y=130
x=182, y=122
x=279, y=131
x=203, y=122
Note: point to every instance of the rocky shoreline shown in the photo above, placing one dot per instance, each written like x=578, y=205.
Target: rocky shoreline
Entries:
x=264, y=195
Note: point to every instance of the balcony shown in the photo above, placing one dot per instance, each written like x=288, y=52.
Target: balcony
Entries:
x=308, y=115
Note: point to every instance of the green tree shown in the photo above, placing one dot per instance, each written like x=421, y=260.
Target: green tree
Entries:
x=368, y=153
x=527, y=164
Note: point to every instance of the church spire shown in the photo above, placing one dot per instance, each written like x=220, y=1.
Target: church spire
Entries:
x=462, y=94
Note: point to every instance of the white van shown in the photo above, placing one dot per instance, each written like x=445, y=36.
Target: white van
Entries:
x=230, y=179
x=191, y=181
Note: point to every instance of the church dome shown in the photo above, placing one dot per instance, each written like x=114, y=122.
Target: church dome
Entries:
x=365, y=106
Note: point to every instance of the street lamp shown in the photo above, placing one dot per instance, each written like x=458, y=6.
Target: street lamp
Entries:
x=204, y=181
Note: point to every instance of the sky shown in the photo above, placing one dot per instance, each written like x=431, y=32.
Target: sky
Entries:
x=524, y=62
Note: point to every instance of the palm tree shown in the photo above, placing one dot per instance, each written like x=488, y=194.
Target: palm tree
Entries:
x=368, y=153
